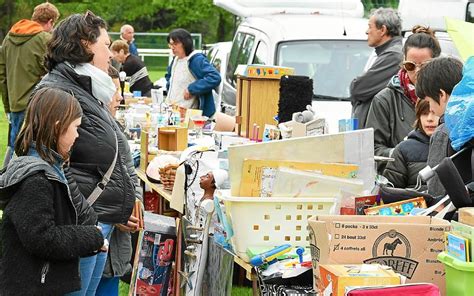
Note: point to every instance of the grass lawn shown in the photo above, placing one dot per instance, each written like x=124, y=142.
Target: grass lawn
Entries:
x=156, y=74
x=3, y=134
x=236, y=291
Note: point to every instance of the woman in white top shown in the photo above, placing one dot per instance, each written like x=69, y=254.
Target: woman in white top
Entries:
x=190, y=77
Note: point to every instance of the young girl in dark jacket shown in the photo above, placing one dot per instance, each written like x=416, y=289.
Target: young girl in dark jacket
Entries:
x=41, y=238
x=411, y=154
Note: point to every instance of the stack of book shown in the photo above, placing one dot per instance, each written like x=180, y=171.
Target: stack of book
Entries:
x=459, y=241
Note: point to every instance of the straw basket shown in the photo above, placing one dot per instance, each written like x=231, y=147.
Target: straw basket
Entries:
x=167, y=175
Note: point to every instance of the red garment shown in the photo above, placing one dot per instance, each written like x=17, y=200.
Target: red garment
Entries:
x=407, y=86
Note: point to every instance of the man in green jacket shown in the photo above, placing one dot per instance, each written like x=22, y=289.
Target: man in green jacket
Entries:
x=22, y=64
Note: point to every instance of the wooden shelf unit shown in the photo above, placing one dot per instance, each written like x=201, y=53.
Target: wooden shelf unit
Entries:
x=257, y=103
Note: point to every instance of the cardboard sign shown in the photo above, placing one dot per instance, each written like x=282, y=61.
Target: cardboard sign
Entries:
x=409, y=245
x=263, y=71
x=356, y=147
x=252, y=171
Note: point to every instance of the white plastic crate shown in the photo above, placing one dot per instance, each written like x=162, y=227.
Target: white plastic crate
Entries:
x=272, y=221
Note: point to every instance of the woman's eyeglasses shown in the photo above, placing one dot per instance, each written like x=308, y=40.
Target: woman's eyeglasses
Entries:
x=411, y=66
x=173, y=44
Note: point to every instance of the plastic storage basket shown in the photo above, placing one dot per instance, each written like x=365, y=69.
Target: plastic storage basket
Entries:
x=459, y=276
x=271, y=221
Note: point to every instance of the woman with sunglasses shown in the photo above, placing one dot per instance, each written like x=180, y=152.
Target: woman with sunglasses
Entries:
x=78, y=59
x=411, y=154
x=392, y=112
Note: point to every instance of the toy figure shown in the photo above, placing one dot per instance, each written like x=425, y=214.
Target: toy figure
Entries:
x=210, y=181
x=196, y=232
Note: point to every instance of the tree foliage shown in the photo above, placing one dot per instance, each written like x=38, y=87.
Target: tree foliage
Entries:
x=197, y=16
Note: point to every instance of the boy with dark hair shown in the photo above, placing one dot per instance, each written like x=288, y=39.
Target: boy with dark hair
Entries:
x=435, y=82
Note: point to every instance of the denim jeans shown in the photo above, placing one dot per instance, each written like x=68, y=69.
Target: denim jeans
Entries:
x=92, y=268
x=16, y=121
x=108, y=287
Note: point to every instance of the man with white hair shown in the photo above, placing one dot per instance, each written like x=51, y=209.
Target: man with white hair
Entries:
x=126, y=34
x=383, y=34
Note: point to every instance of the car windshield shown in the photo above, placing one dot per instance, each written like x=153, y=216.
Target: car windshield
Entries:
x=332, y=64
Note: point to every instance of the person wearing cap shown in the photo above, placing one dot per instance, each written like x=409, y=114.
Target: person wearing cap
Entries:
x=212, y=181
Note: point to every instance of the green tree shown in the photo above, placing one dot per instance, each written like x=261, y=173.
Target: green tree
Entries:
x=197, y=16
x=372, y=4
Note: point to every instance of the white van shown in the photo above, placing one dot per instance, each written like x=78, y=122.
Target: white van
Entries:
x=432, y=12
x=330, y=49
x=218, y=56
x=433, y=16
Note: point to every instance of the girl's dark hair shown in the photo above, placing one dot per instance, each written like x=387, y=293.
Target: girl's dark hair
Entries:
x=184, y=37
x=70, y=38
x=422, y=37
x=422, y=108
x=49, y=114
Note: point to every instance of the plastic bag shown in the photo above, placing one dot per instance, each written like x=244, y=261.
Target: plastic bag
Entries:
x=459, y=115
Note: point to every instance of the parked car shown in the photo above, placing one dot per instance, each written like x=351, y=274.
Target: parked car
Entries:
x=434, y=15
x=332, y=50
x=218, y=55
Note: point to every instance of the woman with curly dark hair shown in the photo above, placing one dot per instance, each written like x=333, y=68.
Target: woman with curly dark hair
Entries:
x=100, y=164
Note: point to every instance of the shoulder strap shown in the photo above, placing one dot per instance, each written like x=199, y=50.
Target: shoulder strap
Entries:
x=101, y=185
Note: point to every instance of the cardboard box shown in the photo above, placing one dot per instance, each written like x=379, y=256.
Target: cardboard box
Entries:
x=409, y=244
x=154, y=256
x=311, y=128
x=335, y=278
x=466, y=216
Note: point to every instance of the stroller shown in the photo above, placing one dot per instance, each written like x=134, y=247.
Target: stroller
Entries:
x=455, y=174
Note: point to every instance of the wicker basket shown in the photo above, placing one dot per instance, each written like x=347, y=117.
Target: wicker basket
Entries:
x=167, y=175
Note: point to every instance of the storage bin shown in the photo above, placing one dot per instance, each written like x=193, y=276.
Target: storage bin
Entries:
x=459, y=275
x=271, y=221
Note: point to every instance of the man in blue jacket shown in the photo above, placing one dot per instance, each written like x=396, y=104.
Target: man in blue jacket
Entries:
x=126, y=34
x=190, y=77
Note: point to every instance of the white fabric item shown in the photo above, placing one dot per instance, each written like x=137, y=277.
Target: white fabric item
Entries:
x=181, y=77
x=178, y=193
x=220, y=176
x=103, y=88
